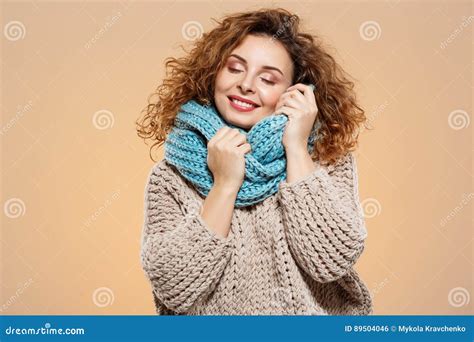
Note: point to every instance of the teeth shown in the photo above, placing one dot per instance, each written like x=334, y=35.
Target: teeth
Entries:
x=242, y=104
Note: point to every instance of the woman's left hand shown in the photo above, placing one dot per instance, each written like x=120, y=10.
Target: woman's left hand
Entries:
x=301, y=110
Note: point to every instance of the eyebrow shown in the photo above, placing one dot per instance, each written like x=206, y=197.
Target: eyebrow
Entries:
x=268, y=67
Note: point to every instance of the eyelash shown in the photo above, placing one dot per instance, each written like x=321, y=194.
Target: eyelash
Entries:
x=232, y=70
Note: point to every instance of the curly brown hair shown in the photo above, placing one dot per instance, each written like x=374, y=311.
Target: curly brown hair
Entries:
x=193, y=77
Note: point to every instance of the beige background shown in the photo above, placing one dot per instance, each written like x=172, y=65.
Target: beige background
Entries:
x=75, y=76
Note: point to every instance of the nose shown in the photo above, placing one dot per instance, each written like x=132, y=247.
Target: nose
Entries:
x=246, y=85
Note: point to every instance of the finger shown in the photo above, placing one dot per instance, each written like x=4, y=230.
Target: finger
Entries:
x=220, y=133
x=289, y=97
x=288, y=111
x=295, y=93
x=294, y=103
x=300, y=86
x=245, y=148
x=238, y=140
x=229, y=135
x=223, y=133
x=308, y=91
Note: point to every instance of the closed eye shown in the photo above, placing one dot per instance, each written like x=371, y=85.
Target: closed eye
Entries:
x=268, y=82
x=236, y=71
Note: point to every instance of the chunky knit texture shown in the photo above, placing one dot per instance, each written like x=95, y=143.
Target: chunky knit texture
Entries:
x=265, y=165
x=291, y=254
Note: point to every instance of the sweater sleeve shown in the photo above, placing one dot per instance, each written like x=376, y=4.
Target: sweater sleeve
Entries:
x=323, y=219
x=180, y=255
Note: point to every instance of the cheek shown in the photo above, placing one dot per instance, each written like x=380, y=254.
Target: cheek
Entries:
x=270, y=97
x=223, y=82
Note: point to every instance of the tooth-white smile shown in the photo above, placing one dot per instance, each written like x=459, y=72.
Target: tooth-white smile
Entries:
x=242, y=104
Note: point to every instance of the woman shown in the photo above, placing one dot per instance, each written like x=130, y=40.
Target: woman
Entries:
x=255, y=208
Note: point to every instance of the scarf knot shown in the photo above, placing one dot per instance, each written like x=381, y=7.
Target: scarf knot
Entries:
x=265, y=164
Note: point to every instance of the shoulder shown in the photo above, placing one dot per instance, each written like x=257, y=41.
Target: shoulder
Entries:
x=344, y=175
x=163, y=175
x=165, y=182
x=343, y=165
x=163, y=171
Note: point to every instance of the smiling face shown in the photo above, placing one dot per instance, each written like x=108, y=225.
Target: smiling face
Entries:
x=252, y=80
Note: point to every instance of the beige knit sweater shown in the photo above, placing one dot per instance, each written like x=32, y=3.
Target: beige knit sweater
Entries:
x=292, y=254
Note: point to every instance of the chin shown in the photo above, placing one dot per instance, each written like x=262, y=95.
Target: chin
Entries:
x=238, y=120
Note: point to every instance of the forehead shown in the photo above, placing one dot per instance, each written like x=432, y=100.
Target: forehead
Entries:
x=262, y=50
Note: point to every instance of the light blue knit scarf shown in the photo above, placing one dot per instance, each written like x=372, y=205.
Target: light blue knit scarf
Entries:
x=265, y=165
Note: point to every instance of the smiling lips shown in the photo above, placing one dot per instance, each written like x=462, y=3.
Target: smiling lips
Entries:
x=241, y=104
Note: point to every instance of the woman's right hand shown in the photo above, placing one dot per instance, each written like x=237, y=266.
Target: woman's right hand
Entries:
x=226, y=158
